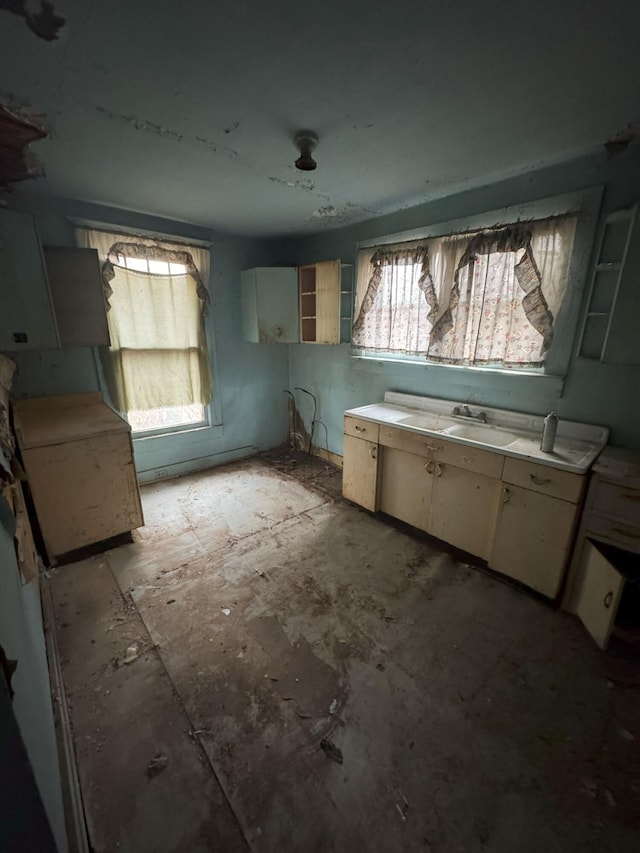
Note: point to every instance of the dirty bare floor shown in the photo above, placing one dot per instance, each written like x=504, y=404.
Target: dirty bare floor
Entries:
x=261, y=630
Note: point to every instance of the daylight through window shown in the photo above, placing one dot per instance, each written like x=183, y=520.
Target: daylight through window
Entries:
x=480, y=298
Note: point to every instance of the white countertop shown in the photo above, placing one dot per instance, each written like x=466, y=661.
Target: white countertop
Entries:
x=577, y=445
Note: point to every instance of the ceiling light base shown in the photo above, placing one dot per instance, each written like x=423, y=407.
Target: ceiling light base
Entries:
x=306, y=142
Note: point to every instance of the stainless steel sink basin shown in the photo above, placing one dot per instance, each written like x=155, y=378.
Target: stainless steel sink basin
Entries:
x=482, y=434
x=432, y=423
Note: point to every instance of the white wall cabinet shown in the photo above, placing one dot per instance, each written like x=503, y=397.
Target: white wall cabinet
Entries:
x=77, y=293
x=27, y=317
x=305, y=304
x=270, y=305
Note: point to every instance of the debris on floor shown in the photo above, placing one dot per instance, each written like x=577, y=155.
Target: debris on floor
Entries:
x=157, y=765
x=331, y=750
x=130, y=656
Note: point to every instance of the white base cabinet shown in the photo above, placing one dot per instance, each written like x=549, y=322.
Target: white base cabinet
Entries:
x=360, y=472
x=517, y=515
x=533, y=535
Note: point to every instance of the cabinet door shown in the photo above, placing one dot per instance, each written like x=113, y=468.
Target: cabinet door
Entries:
x=532, y=538
x=464, y=508
x=270, y=305
x=598, y=593
x=406, y=487
x=78, y=296
x=328, y=302
x=360, y=472
x=27, y=319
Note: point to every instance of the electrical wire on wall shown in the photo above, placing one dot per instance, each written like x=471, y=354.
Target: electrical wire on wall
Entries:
x=315, y=421
x=296, y=439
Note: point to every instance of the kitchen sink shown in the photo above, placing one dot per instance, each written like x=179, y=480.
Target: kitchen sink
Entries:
x=429, y=422
x=482, y=434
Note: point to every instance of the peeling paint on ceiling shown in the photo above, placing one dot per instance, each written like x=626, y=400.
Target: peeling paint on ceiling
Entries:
x=189, y=111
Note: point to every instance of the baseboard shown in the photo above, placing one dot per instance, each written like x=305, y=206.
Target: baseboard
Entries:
x=328, y=455
x=190, y=466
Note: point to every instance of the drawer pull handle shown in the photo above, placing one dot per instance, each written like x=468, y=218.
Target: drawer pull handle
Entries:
x=360, y=429
x=634, y=497
x=373, y=452
x=608, y=599
x=506, y=496
x=433, y=447
x=539, y=481
x=429, y=467
x=438, y=471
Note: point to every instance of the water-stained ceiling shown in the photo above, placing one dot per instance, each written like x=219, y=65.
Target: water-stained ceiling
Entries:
x=188, y=110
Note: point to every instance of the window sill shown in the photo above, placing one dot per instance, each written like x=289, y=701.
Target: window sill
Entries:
x=455, y=374
x=213, y=430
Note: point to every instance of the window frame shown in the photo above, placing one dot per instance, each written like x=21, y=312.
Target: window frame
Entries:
x=213, y=409
x=586, y=203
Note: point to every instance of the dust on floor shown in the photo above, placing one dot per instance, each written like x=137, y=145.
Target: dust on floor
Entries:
x=269, y=668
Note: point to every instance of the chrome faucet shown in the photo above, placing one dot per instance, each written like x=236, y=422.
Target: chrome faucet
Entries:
x=465, y=412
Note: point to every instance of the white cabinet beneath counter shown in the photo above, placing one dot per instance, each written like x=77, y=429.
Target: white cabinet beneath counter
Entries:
x=519, y=516
x=360, y=469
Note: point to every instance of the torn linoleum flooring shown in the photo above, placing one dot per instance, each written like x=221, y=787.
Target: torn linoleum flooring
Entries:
x=278, y=630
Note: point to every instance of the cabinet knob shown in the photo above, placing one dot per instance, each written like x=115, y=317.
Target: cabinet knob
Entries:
x=359, y=428
x=506, y=496
x=608, y=599
x=373, y=452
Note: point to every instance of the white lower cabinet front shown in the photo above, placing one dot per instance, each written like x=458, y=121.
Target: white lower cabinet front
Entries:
x=532, y=538
x=360, y=472
x=463, y=509
x=406, y=487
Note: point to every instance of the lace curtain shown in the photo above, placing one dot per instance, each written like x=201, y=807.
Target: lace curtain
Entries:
x=158, y=356
x=395, y=309
x=484, y=298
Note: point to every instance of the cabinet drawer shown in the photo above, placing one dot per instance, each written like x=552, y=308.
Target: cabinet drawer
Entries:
x=613, y=499
x=543, y=479
x=449, y=452
x=361, y=428
x=617, y=533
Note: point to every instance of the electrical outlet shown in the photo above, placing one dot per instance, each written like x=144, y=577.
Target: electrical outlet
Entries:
x=160, y=473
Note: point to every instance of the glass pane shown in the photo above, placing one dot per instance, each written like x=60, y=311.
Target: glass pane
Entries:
x=177, y=269
x=159, y=267
x=168, y=418
x=138, y=264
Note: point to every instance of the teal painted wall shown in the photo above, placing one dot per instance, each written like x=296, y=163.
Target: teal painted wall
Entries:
x=249, y=378
x=593, y=392
x=22, y=637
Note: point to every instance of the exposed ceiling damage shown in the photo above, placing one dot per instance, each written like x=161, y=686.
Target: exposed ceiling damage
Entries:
x=189, y=111
x=18, y=128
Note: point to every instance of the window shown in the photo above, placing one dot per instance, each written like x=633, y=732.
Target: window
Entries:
x=487, y=298
x=157, y=367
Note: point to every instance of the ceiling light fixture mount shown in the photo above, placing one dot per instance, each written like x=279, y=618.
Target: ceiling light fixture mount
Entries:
x=306, y=142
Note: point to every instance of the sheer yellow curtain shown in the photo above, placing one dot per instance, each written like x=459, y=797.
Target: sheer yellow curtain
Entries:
x=159, y=356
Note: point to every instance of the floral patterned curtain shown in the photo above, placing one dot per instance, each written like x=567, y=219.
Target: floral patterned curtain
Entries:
x=399, y=303
x=489, y=297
